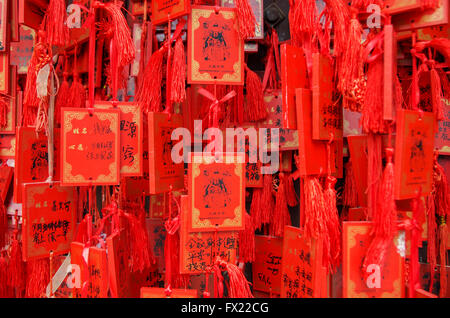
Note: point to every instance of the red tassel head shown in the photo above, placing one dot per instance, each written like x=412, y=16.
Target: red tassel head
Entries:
x=54, y=23
x=246, y=18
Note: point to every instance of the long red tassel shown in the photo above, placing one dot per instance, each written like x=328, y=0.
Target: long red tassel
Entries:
x=38, y=277
x=436, y=94
x=171, y=254
x=314, y=224
x=178, y=78
x=255, y=108
x=3, y=223
x=237, y=285
x=340, y=16
x=333, y=225
x=431, y=238
x=246, y=18
x=77, y=93
x=291, y=195
x=4, y=288
x=255, y=208
x=443, y=232
x=350, y=195
x=62, y=99
x=267, y=202
x=280, y=214
x=149, y=93
x=247, y=241
x=384, y=220
x=54, y=23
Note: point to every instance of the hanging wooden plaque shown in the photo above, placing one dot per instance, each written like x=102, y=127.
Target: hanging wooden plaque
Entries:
x=118, y=264
x=4, y=73
x=386, y=284
x=267, y=265
x=442, y=140
x=131, y=137
x=49, y=213
x=98, y=273
x=6, y=174
x=164, y=172
x=215, y=50
x=163, y=10
x=414, y=153
x=10, y=127
x=292, y=78
x=90, y=147
x=7, y=147
x=217, y=192
x=22, y=51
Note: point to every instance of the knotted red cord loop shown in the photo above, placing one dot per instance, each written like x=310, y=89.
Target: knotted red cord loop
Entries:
x=214, y=108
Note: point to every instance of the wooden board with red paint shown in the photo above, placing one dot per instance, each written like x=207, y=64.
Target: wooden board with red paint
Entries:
x=216, y=192
x=301, y=266
x=267, y=265
x=163, y=170
x=10, y=125
x=327, y=113
x=6, y=175
x=90, y=147
x=49, y=213
x=131, y=137
x=198, y=250
x=22, y=51
x=414, y=154
x=4, y=25
x=163, y=10
x=118, y=264
x=442, y=139
x=155, y=292
x=293, y=76
x=422, y=18
x=213, y=59
x=4, y=73
x=356, y=240
x=98, y=273
x=7, y=147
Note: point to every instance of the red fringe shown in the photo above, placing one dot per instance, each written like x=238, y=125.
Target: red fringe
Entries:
x=436, y=94
x=237, y=285
x=374, y=172
x=77, y=97
x=280, y=214
x=177, y=279
x=384, y=219
x=62, y=100
x=331, y=215
x=3, y=111
x=149, y=93
x=3, y=224
x=54, y=23
x=38, y=277
x=16, y=278
x=340, y=16
x=5, y=291
x=350, y=195
x=178, y=78
x=443, y=232
x=267, y=202
x=246, y=18
x=255, y=108
x=291, y=195
x=247, y=241
x=431, y=238
x=255, y=208
x=314, y=225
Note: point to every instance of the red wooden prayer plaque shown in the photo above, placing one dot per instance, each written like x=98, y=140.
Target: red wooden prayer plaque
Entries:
x=267, y=265
x=164, y=171
x=390, y=72
x=327, y=113
x=10, y=127
x=312, y=153
x=198, y=250
x=98, y=273
x=137, y=7
x=162, y=10
x=155, y=292
x=7, y=146
x=398, y=6
x=288, y=138
x=357, y=146
x=22, y=51
x=30, y=12
x=442, y=140
x=301, y=266
x=131, y=135
x=90, y=147
x=118, y=264
x=77, y=259
x=32, y=159
x=215, y=50
x=6, y=174
x=157, y=236
x=3, y=25
x=357, y=214
x=293, y=76
x=414, y=154
x=49, y=212
x=216, y=192
x=428, y=34
x=422, y=18
x=4, y=73
x=356, y=240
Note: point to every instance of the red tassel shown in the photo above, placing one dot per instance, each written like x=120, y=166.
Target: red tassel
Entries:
x=440, y=44
x=246, y=18
x=3, y=223
x=16, y=278
x=267, y=200
x=3, y=111
x=436, y=94
x=54, y=23
x=172, y=255
x=149, y=93
x=247, y=241
x=280, y=214
x=255, y=208
x=237, y=284
x=4, y=288
x=314, y=225
x=304, y=17
x=384, y=220
x=372, y=112
x=331, y=216
x=77, y=97
x=291, y=195
x=38, y=277
x=178, y=78
x=340, y=16
x=62, y=100
x=141, y=256
x=350, y=195
x=374, y=172
x=255, y=108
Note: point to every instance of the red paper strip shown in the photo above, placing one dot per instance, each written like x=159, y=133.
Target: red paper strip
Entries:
x=442, y=139
x=386, y=284
x=215, y=50
x=90, y=147
x=49, y=212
